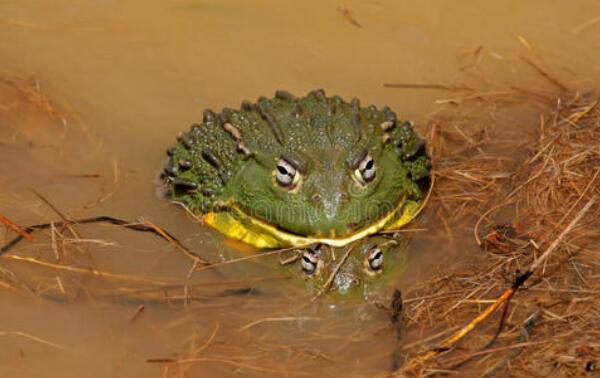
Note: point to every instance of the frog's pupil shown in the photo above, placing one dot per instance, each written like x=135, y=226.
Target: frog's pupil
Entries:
x=282, y=170
x=366, y=169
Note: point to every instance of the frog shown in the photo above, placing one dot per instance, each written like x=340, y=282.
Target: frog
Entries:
x=299, y=172
x=357, y=271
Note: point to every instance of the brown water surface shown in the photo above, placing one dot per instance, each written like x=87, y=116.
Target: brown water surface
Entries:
x=91, y=94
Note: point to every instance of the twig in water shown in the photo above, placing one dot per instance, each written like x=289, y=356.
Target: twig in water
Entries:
x=92, y=271
x=163, y=234
x=209, y=340
x=327, y=285
x=292, y=259
x=254, y=256
x=524, y=335
x=13, y=226
x=579, y=28
x=138, y=311
x=221, y=361
x=106, y=219
x=489, y=343
x=34, y=338
x=347, y=13
x=282, y=319
x=545, y=74
x=66, y=221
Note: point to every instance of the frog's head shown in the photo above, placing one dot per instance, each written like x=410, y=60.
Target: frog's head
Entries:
x=293, y=171
x=357, y=269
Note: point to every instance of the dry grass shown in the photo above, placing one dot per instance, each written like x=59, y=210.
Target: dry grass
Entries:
x=517, y=202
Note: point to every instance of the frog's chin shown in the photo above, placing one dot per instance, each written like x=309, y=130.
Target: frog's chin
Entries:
x=238, y=225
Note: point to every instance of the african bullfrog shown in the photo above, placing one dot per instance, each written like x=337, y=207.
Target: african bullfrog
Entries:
x=302, y=171
x=360, y=272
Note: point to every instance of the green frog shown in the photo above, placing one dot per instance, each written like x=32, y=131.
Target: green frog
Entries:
x=302, y=172
x=358, y=270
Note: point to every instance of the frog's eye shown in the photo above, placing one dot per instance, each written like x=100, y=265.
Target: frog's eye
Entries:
x=375, y=259
x=309, y=261
x=365, y=172
x=285, y=173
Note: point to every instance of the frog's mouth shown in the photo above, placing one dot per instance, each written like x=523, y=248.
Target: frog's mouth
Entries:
x=237, y=224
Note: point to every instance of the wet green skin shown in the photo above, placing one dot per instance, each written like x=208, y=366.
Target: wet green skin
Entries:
x=212, y=168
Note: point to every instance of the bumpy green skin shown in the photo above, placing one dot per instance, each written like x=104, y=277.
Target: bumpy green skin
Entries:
x=213, y=167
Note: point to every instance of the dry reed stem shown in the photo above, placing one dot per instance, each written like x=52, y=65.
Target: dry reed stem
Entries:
x=276, y=319
x=180, y=247
x=33, y=94
x=13, y=226
x=524, y=331
x=66, y=221
x=545, y=74
x=581, y=27
x=35, y=338
x=220, y=360
x=208, y=341
x=137, y=313
x=29, y=91
x=90, y=271
x=250, y=257
x=335, y=271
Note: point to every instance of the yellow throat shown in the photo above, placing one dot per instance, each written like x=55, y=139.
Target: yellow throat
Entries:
x=238, y=225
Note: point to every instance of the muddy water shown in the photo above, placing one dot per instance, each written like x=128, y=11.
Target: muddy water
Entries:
x=92, y=93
